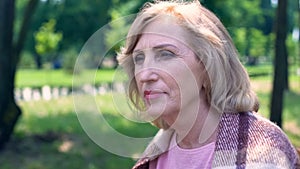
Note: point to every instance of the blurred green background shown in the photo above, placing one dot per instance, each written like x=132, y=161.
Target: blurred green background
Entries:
x=48, y=135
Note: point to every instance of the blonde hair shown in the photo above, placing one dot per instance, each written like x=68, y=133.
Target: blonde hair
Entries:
x=228, y=88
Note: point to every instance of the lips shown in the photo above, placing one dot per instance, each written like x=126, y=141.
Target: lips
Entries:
x=147, y=92
x=152, y=94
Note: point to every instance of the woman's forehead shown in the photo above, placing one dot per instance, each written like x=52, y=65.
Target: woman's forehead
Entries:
x=151, y=40
x=162, y=31
x=165, y=25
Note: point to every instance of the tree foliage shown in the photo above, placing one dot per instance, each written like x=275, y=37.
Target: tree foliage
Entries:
x=121, y=15
x=47, y=39
x=258, y=42
x=118, y=26
x=244, y=20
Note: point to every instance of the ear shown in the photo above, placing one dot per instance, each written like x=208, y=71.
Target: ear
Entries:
x=206, y=86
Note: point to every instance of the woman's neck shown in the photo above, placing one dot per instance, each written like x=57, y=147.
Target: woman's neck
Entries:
x=204, y=131
x=196, y=124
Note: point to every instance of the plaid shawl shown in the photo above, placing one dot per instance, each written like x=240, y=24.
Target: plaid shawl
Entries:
x=245, y=140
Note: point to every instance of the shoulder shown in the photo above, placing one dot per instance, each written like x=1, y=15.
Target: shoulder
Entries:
x=254, y=127
x=268, y=140
x=260, y=140
x=262, y=131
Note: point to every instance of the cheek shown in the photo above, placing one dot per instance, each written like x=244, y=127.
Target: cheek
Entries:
x=189, y=79
x=174, y=88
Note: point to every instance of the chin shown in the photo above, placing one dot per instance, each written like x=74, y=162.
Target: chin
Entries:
x=155, y=111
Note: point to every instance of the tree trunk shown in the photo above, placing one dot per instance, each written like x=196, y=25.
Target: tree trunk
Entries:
x=38, y=60
x=280, y=66
x=9, y=111
x=9, y=57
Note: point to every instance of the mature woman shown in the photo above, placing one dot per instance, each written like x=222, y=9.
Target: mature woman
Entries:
x=186, y=77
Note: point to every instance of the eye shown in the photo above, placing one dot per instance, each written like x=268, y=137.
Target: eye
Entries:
x=138, y=58
x=165, y=54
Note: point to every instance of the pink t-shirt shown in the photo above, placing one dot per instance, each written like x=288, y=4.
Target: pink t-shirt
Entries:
x=178, y=158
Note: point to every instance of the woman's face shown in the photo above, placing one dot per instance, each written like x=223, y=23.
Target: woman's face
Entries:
x=168, y=74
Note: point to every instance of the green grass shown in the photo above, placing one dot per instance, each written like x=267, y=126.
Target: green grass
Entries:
x=39, y=78
x=291, y=116
x=259, y=70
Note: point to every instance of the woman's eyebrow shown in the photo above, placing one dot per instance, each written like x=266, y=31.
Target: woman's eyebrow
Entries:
x=164, y=46
x=137, y=51
x=160, y=46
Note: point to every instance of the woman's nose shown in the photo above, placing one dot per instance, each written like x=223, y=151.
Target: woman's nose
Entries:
x=147, y=75
x=148, y=72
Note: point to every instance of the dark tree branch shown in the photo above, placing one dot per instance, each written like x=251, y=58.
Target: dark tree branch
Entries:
x=30, y=8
